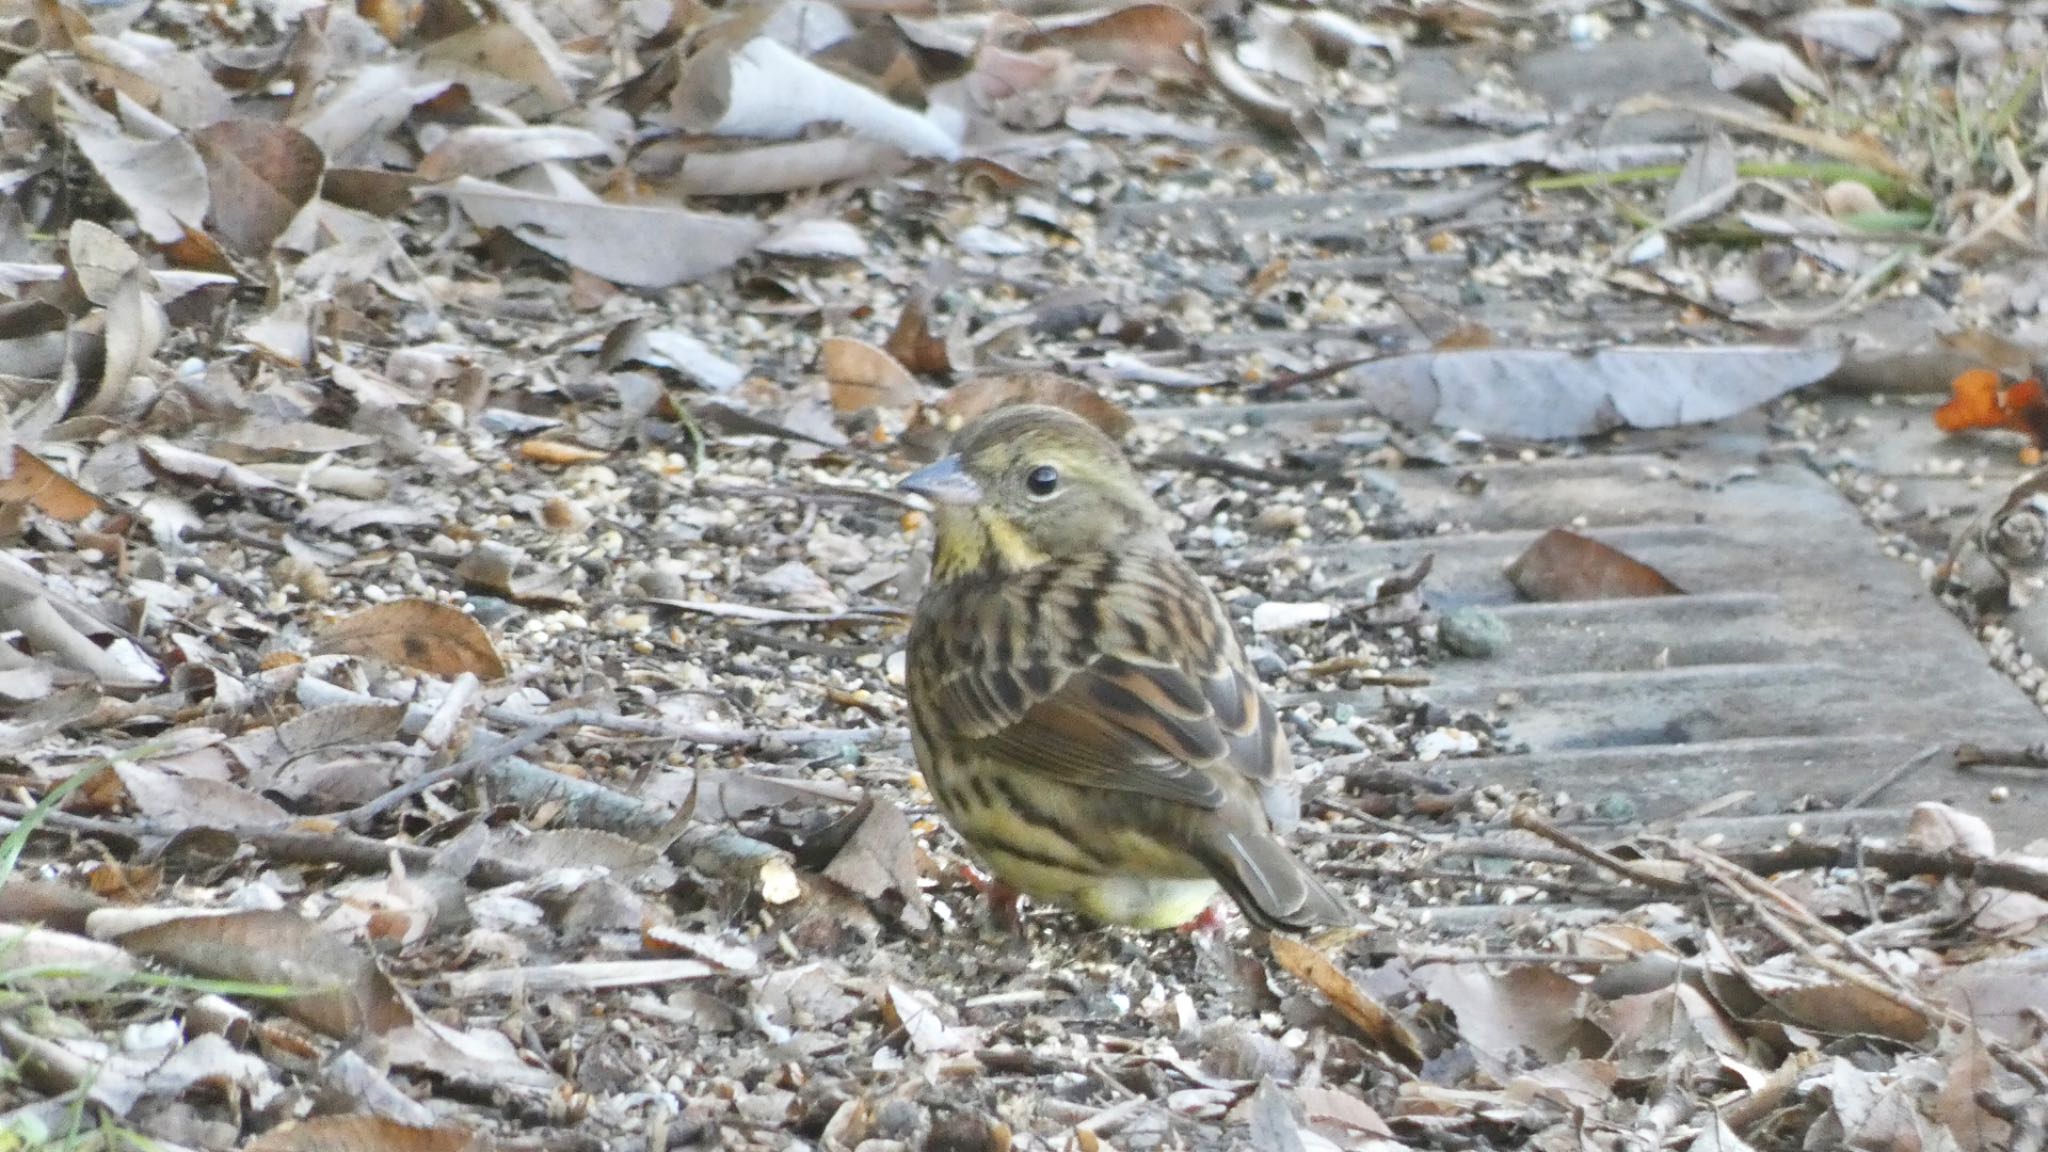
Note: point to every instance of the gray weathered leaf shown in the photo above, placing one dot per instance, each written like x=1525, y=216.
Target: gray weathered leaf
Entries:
x=1548, y=394
x=643, y=246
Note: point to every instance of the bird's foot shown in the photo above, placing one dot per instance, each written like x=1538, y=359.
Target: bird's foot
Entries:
x=1004, y=902
x=1208, y=923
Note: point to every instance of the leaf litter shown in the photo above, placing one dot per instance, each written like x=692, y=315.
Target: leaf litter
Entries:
x=450, y=557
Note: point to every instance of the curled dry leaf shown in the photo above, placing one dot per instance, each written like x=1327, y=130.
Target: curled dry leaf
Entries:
x=772, y=168
x=1563, y=565
x=923, y=1022
x=816, y=239
x=54, y=634
x=762, y=89
x=871, y=852
x=1380, y=1027
x=353, y=122
x=913, y=344
x=560, y=453
x=637, y=341
x=134, y=328
x=1937, y=827
x=1266, y=108
x=422, y=634
x=863, y=377
x=488, y=150
x=260, y=174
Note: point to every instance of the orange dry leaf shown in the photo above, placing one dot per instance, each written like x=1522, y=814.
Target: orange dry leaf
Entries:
x=1974, y=403
x=33, y=482
x=1980, y=399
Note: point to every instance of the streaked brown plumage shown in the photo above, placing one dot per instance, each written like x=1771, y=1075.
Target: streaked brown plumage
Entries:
x=1080, y=707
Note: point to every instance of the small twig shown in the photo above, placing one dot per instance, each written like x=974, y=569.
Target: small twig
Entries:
x=699, y=733
x=1755, y=892
x=1370, y=675
x=1999, y=217
x=339, y=848
x=816, y=493
x=1507, y=850
x=1203, y=463
x=1876, y=787
x=320, y=694
x=1528, y=821
x=1974, y=755
x=1602, y=893
x=1293, y=379
x=1354, y=812
x=1898, y=863
x=1453, y=956
x=755, y=614
x=540, y=728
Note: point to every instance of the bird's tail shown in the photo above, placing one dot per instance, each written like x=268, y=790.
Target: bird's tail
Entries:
x=1273, y=887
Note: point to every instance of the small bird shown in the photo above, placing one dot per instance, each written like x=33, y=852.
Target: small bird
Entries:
x=1079, y=705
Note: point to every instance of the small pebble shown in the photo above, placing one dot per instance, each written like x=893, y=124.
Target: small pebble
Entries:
x=1473, y=632
x=1267, y=663
x=490, y=610
x=1615, y=808
x=1332, y=736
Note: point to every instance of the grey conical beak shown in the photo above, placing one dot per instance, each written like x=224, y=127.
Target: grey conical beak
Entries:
x=943, y=482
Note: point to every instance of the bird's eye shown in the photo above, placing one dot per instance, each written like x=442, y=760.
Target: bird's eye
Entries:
x=1043, y=480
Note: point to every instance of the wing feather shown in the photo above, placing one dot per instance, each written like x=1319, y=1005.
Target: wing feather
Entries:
x=1156, y=699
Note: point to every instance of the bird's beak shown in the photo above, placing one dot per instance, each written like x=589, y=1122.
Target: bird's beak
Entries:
x=943, y=482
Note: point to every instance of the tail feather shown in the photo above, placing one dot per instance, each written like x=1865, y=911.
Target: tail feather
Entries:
x=1273, y=887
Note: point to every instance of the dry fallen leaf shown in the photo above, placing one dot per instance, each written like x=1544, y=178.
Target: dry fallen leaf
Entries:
x=1385, y=1030
x=261, y=173
x=764, y=90
x=913, y=344
x=345, y=994
x=1148, y=39
x=33, y=483
x=936, y=422
x=863, y=377
x=422, y=634
x=363, y=1134
x=557, y=452
x=1563, y=565
x=1546, y=394
x=1981, y=400
x=639, y=245
x=1849, y=1010
x=871, y=852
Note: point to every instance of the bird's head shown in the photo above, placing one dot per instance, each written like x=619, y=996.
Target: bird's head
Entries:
x=1026, y=484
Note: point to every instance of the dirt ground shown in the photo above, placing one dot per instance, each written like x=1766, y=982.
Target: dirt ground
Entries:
x=455, y=590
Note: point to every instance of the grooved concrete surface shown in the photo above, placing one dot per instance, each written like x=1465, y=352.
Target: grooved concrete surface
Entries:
x=1804, y=668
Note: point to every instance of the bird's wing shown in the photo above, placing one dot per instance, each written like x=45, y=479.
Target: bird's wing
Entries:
x=1139, y=689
